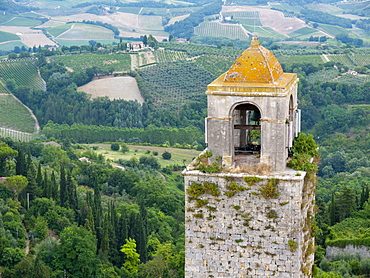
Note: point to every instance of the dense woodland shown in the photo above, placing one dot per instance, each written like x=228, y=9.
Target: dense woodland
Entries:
x=81, y=219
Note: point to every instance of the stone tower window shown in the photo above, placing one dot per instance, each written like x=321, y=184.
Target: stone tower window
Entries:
x=247, y=131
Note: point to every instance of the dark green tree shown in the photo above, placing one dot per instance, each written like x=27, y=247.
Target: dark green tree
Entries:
x=345, y=203
x=63, y=195
x=71, y=192
x=21, y=163
x=76, y=254
x=5, y=153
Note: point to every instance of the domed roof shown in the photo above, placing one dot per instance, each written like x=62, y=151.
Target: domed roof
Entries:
x=255, y=65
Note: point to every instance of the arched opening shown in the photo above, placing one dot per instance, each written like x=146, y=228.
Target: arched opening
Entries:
x=247, y=133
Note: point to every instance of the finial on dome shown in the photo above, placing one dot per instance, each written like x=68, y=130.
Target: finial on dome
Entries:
x=255, y=42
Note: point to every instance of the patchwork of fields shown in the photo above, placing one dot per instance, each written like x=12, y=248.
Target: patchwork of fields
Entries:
x=137, y=21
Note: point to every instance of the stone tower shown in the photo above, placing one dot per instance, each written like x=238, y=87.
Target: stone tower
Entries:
x=247, y=214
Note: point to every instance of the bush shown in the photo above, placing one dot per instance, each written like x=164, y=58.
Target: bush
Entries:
x=166, y=155
x=155, y=153
x=124, y=148
x=114, y=147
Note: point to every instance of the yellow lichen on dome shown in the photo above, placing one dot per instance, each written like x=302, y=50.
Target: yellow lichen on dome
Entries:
x=255, y=65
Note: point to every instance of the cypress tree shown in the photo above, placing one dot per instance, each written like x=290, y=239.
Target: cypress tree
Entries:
x=63, y=187
x=332, y=210
x=364, y=195
x=54, y=186
x=31, y=186
x=104, y=245
x=29, y=159
x=21, y=166
x=46, y=186
x=39, y=270
x=71, y=192
x=98, y=216
x=39, y=177
x=121, y=236
x=114, y=245
x=137, y=232
x=89, y=221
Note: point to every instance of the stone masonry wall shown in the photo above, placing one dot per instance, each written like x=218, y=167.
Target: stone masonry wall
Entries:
x=238, y=225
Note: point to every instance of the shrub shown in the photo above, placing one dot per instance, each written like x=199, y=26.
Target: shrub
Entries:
x=166, y=155
x=124, y=148
x=114, y=147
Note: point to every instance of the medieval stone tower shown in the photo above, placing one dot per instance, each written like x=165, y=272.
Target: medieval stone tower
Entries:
x=247, y=214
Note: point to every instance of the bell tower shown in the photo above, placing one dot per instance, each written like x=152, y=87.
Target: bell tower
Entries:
x=252, y=110
x=247, y=213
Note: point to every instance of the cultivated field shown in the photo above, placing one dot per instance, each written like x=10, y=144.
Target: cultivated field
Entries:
x=216, y=29
x=270, y=18
x=179, y=156
x=28, y=36
x=122, y=87
x=331, y=9
x=5, y=36
x=14, y=115
x=125, y=22
x=23, y=71
x=177, y=18
x=85, y=31
x=117, y=62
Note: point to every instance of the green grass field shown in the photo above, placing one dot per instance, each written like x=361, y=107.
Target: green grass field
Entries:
x=14, y=115
x=333, y=30
x=5, y=36
x=56, y=31
x=179, y=156
x=87, y=32
x=11, y=45
x=22, y=21
x=305, y=31
x=216, y=29
x=120, y=62
x=130, y=10
x=334, y=10
x=6, y=17
x=353, y=6
x=34, y=15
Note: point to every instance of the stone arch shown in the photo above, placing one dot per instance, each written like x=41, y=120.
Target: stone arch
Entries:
x=246, y=131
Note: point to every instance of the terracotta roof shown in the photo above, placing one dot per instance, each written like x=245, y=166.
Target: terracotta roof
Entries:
x=53, y=143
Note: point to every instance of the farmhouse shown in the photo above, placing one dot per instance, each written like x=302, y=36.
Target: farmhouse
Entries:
x=135, y=46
